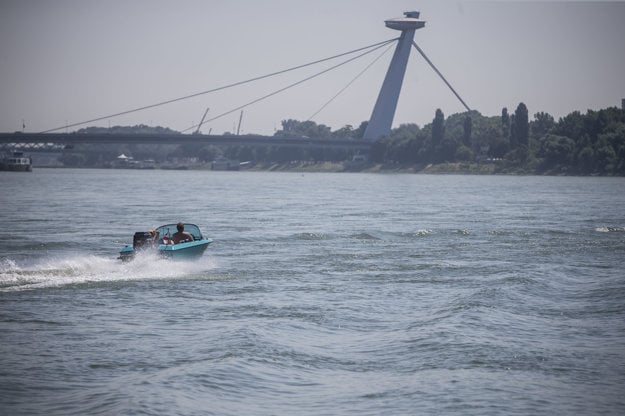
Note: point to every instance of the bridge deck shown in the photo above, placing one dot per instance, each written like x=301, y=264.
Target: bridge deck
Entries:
x=222, y=140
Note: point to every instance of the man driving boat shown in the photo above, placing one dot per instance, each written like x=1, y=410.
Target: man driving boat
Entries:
x=181, y=236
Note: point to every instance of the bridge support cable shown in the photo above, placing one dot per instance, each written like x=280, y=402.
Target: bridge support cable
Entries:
x=440, y=75
x=350, y=82
x=379, y=46
x=186, y=97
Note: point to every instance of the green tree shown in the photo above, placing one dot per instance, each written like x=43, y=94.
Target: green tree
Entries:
x=521, y=127
x=467, y=127
x=448, y=150
x=571, y=126
x=543, y=123
x=438, y=135
x=556, y=151
x=295, y=128
x=438, y=127
x=605, y=156
x=345, y=132
x=360, y=131
x=586, y=160
x=464, y=154
x=505, y=122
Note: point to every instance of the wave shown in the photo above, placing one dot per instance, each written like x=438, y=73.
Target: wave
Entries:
x=610, y=229
x=364, y=236
x=84, y=269
x=310, y=236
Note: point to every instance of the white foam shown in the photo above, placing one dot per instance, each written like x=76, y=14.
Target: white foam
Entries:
x=609, y=229
x=423, y=232
x=78, y=269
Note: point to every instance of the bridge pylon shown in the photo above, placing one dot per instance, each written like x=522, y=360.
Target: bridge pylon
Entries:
x=381, y=119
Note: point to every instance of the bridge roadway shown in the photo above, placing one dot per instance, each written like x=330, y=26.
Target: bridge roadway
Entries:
x=71, y=139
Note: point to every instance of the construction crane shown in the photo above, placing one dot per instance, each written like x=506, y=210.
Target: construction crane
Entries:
x=201, y=122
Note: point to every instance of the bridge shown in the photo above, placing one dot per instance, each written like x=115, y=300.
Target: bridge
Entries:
x=59, y=141
x=379, y=124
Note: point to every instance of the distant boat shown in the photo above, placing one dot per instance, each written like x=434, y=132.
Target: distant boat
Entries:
x=225, y=164
x=16, y=162
x=160, y=241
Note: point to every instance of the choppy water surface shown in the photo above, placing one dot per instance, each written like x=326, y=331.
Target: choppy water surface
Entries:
x=323, y=294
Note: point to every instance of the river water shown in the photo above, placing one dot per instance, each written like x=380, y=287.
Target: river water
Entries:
x=323, y=294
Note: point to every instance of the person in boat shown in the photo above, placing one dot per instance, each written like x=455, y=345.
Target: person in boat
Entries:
x=154, y=241
x=181, y=236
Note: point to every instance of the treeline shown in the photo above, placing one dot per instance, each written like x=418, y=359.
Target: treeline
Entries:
x=591, y=143
x=579, y=144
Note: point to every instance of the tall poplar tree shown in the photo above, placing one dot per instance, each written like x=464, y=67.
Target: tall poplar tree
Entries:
x=505, y=123
x=522, y=125
x=438, y=127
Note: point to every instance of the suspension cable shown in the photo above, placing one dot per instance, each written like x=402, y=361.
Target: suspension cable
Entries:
x=350, y=83
x=134, y=110
x=378, y=46
x=440, y=75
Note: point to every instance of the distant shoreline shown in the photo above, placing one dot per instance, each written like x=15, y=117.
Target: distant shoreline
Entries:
x=455, y=168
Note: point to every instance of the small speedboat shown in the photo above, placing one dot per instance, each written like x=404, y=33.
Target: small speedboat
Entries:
x=161, y=241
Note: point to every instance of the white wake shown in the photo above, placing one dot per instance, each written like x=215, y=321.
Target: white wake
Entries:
x=81, y=269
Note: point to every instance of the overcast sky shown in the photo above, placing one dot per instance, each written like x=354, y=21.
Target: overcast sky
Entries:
x=67, y=61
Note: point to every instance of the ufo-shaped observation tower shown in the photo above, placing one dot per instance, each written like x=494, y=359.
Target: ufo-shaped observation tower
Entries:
x=381, y=119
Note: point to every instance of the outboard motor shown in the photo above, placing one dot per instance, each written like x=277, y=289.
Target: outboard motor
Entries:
x=142, y=240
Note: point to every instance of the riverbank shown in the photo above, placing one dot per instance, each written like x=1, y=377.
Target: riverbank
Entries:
x=496, y=167
x=458, y=168
x=443, y=168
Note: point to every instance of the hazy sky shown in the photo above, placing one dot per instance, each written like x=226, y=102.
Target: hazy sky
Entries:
x=66, y=61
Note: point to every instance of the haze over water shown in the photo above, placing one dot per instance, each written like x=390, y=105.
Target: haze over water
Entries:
x=322, y=294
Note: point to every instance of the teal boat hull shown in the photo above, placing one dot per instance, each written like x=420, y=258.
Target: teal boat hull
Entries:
x=183, y=251
x=189, y=250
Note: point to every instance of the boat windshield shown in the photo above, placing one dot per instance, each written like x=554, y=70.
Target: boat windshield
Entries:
x=170, y=229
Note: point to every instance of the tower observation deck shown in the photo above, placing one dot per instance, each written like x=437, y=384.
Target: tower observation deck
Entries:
x=381, y=119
